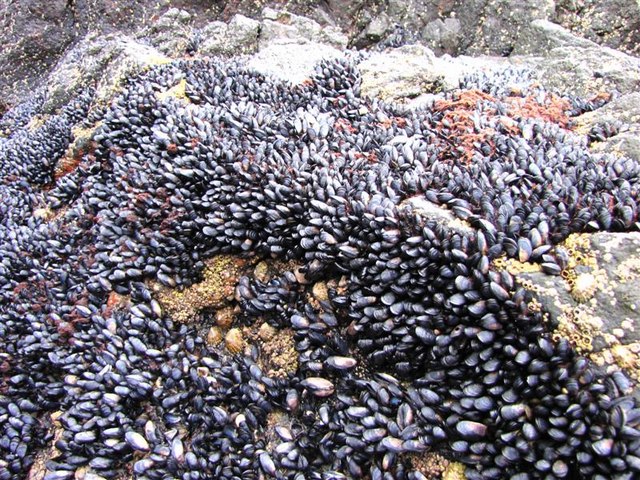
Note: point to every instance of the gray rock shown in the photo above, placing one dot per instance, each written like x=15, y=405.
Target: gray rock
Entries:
x=614, y=23
x=290, y=61
x=430, y=211
x=624, y=111
x=102, y=60
x=285, y=26
x=492, y=26
x=595, y=304
x=171, y=33
x=400, y=74
x=443, y=36
x=412, y=74
x=238, y=37
x=540, y=36
x=573, y=65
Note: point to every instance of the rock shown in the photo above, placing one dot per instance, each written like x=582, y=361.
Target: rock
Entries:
x=492, y=26
x=291, y=62
x=171, y=33
x=575, y=66
x=430, y=211
x=284, y=26
x=595, y=303
x=32, y=37
x=540, y=36
x=614, y=23
x=239, y=36
x=624, y=111
x=35, y=34
x=443, y=36
x=378, y=27
x=400, y=74
x=101, y=60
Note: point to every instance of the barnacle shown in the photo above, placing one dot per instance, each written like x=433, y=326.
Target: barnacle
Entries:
x=579, y=326
x=234, y=340
x=583, y=287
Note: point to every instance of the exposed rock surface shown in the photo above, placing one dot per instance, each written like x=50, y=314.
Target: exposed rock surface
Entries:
x=574, y=65
x=595, y=303
x=614, y=23
x=623, y=114
x=40, y=32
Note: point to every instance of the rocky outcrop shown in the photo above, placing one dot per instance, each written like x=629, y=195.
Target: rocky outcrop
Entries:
x=574, y=65
x=614, y=23
x=595, y=302
x=615, y=128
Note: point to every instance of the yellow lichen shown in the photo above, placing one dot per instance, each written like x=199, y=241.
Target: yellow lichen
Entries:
x=514, y=266
x=220, y=276
x=36, y=122
x=454, y=471
x=178, y=92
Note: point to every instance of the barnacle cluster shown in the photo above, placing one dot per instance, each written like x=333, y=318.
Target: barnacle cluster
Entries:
x=404, y=338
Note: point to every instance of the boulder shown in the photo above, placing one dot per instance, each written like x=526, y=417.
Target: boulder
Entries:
x=492, y=26
x=443, y=36
x=101, y=61
x=238, y=36
x=614, y=23
x=623, y=114
x=575, y=66
x=291, y=61
x=171, y=33
x=285, y=26
x=595, y=302
x=400, y=74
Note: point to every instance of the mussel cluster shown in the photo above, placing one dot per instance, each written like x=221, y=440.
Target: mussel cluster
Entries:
x=420, y=345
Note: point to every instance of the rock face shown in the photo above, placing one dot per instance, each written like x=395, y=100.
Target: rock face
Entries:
x=614, y=23
x=40, y=32
x=615, y=128
x=566, y=61
x=595, y=302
